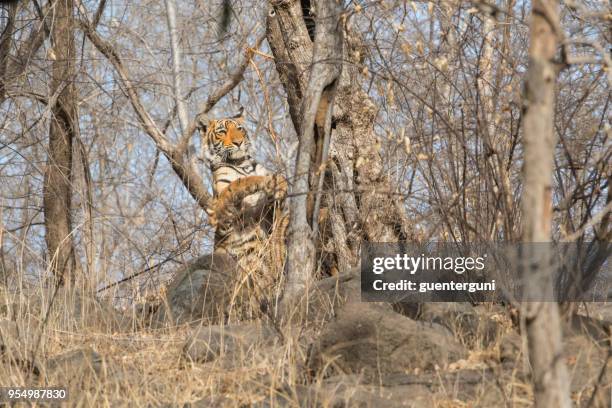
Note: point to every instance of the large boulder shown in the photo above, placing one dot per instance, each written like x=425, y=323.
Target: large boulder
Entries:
x=201, y=291
x=371, y=340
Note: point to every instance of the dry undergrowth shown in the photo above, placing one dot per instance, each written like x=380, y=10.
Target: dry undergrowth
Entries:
x=119, y=363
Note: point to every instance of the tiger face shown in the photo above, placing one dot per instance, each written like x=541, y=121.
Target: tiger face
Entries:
x=226, y=140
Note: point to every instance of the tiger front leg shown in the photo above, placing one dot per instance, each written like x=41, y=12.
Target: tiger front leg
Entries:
x=277, y=187
x=221, y=212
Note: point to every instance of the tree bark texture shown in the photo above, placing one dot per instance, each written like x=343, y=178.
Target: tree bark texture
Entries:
x=57, y=192
x=5, y=45
x=315, y=121
x=550, y=379
x=358, y=193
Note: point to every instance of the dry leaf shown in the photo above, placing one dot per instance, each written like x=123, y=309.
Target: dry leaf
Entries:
x=407, y=48
x=419, y=47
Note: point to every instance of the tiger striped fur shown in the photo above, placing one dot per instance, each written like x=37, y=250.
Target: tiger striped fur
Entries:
x=246, y=212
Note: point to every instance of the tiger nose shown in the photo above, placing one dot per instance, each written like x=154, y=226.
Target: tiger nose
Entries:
x=229, y=142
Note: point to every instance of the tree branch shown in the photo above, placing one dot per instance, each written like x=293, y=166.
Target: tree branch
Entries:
x=219, y=93
x=183, y=168
x=325, y=71
x=176, y=65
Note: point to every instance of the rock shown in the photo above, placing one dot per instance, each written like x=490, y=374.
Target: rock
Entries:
x=472, y=325
x=451, y=389
x=202, y=293
x=206, y=343
x=198, y=292
x=398, y=390
x=20, y=345
x=369, y=339
x=600, y=311
x=74, y=365
x=327, y=295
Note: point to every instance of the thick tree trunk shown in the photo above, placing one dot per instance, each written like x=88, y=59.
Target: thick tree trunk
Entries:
x=357, y=193
x=315, y=119
x=551, y=386
x=57, y=185
x=6, y=34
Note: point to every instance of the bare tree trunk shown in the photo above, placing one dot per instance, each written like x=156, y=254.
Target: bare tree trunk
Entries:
x=358, y=194
x=5, y=45
x=64, y=122
x=551, y=386
x=317, y=101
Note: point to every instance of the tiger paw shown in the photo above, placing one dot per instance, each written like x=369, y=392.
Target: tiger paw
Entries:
x=279, y=185
x=212, y=215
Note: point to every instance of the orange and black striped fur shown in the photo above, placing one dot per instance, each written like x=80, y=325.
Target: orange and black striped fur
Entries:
x=246, y=209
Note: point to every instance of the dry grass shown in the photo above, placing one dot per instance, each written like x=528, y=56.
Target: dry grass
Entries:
x=132, y=366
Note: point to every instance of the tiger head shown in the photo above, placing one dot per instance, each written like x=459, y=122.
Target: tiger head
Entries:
x=225, y=140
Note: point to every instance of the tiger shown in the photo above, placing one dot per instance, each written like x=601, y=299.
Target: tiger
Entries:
x=246, y=210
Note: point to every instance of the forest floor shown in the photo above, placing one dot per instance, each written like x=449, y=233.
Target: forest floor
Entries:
x=369, y=355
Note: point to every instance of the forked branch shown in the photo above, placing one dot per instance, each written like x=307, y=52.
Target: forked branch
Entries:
x=175, y=153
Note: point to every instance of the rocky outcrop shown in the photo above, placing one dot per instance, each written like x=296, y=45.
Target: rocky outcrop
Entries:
x=201, y=291
x=371, y=340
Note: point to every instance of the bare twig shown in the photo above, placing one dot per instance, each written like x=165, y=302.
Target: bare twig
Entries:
x=176, y=64
x=217, y=94
x=183, y=168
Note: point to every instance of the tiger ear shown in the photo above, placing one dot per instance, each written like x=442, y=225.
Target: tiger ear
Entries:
x=238, y=116
x=202, y=125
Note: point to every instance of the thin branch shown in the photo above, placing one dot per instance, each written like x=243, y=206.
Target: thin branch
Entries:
x=600, y=215
x=176, y=65
x=190, y=178
x=219, y=93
